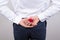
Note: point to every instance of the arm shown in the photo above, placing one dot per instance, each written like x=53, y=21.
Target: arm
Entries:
x=53, y=9
x=4, y=10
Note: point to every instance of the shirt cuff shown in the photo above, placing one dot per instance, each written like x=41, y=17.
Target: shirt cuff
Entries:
x=42, y=17
x=17, y=19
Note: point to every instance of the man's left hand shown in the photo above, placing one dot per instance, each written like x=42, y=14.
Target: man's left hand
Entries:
x=30, y=22
x=35, y=20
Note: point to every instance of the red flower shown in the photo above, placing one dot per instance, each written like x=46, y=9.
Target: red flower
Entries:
x=30, y=20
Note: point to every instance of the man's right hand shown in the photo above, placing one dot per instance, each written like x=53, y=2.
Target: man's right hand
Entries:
x=25, y=23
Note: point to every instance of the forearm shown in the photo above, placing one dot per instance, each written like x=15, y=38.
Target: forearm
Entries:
x=53, y=9
x=8, y=13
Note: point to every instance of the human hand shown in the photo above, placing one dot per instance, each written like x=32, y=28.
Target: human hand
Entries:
x=25, y=23
x=35, y=20
x=29, y=22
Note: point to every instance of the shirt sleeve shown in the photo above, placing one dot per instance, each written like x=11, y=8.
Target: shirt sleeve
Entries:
x=53, y=9
x=8, y=13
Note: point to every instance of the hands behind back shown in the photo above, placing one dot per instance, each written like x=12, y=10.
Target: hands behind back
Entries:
x=29, y=22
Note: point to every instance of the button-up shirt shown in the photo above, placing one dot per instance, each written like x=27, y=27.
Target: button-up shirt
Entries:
x=44, y=9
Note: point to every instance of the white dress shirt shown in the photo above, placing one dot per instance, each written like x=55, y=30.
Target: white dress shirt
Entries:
x=44, y=9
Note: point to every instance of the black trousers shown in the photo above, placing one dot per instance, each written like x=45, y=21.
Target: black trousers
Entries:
x=36, y=33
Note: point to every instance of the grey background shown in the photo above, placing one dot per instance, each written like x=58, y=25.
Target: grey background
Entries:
x=53, y=28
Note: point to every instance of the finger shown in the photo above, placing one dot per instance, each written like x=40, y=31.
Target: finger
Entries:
x=29, y=26
x=28, y=23
x=34, y=23
x=26, y=26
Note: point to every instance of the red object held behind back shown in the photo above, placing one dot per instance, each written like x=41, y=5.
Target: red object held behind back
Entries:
x=30, y=20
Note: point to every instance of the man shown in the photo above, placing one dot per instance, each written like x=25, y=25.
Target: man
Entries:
x=29, y=17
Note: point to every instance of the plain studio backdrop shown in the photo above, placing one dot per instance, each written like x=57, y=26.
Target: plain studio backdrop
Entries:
x=53, y=28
